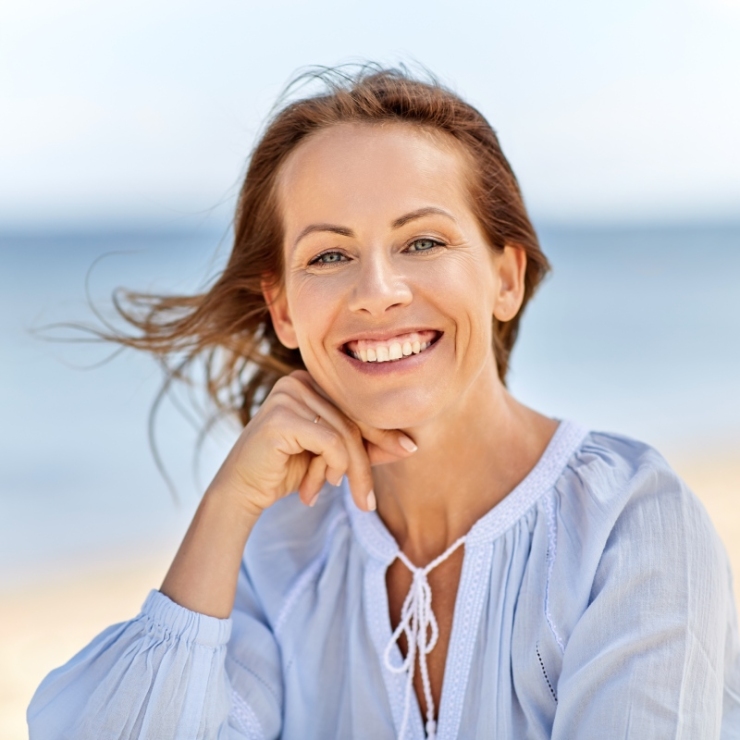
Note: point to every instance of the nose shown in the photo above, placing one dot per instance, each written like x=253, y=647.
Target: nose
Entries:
x=380, y=286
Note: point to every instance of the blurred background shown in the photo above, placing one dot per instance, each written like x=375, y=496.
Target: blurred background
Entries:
x=124, y=132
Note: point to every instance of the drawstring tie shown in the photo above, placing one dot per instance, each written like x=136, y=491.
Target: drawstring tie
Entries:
x=419, y=625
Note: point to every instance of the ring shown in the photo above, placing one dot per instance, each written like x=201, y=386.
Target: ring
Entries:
x=317, y=419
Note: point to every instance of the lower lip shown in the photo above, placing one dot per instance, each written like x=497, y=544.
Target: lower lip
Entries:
x=411, y=362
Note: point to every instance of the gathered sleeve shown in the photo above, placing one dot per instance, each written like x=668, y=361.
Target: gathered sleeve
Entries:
x=168, y=673
x=654, y=655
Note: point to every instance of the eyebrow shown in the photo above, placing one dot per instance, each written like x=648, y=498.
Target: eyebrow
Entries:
x=396, y=224
x=420, y=213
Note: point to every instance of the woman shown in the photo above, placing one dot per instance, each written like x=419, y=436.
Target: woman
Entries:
x=453, y=564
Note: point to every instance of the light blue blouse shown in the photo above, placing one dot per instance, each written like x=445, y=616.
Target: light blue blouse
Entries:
x=595, y=601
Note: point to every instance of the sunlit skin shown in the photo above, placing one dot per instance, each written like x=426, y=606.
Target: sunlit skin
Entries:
x=380, y=239
x=433, y=272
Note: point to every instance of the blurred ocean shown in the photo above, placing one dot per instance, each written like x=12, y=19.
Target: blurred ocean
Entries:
x=637, y=331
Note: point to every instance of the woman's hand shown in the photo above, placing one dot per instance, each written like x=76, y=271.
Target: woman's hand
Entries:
x=298, y=440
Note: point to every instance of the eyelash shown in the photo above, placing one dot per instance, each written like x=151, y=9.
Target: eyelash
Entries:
x=316, y=261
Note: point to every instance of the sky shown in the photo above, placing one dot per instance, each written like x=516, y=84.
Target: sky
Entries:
x=146, y=111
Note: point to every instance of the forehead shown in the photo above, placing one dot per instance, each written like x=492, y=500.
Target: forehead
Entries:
x=351, y=170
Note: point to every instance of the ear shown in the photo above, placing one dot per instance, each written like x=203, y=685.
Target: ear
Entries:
x=277, y=305
x=511, y=265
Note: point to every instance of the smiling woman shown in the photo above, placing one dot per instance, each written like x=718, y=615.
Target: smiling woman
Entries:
x=466, y=566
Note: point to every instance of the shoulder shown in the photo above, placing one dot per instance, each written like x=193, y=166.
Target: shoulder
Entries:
x=638, y=605
x=621, y=512
x=649, y=508
x=612, y=479
x=289, y=540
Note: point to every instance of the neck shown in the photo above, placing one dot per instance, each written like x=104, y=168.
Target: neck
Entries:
x=469, y=458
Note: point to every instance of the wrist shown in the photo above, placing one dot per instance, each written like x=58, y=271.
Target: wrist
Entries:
x=238, y=501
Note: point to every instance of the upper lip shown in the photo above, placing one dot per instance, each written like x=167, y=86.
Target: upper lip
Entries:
x=386, y=334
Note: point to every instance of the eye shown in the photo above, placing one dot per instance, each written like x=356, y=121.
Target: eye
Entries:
x=423, y=245
x=328, y=258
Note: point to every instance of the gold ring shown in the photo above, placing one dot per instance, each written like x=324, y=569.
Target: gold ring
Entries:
x=317, y=419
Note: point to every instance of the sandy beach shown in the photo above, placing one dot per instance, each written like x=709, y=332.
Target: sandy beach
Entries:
x=48, y=619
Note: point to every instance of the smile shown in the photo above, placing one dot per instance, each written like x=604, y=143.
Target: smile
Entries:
x=393, y=349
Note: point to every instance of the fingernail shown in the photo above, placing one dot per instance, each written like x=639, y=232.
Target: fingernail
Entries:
x=313, y=501
x=371, y=502
x=407, y=443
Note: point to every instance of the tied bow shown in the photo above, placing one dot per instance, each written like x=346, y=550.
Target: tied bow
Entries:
x=419, y=625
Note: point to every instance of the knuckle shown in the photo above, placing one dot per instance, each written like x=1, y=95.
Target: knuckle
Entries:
x=297, y=376
x=278, y=395
x=335, y=442
x=278, y=416
x=338, y=452
x=281, y=383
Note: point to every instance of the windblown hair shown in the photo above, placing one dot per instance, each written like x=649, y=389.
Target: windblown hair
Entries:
x=228, y=327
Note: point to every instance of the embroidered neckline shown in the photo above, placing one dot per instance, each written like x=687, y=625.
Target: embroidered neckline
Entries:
x=379, y=543
x=419, y=625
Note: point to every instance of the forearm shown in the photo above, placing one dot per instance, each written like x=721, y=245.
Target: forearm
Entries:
x=203, y=575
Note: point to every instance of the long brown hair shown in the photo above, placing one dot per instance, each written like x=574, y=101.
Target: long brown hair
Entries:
x=227, y=327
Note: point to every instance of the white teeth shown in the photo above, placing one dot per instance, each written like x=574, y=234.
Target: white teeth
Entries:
x=395, y=350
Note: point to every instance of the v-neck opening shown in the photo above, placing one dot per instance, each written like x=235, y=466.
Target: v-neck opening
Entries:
x=477, y=558
x=380, y=544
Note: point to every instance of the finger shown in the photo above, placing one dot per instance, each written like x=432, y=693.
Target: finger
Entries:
x=304, y=377
x=396, y=443
x=298, y=405
x=379, y=456
x=297, y=434
x=358, y=469
x=359, y=474
x=313, y=481
x=300, y=396
x=393, y=442
x=382, y=445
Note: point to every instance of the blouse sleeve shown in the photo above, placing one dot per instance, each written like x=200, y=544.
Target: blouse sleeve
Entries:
x=648, y=658
x=168, y=673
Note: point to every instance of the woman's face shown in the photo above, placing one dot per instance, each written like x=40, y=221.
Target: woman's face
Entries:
x=389, y=286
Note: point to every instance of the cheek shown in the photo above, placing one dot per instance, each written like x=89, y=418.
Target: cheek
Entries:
x=468, y=284
x=470, y=297
x=313, y=306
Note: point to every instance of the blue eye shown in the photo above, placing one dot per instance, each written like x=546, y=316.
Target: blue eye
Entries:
x=423, y=245
x=328, y=258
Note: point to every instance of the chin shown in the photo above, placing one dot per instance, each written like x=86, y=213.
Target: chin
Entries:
x=395, y=411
